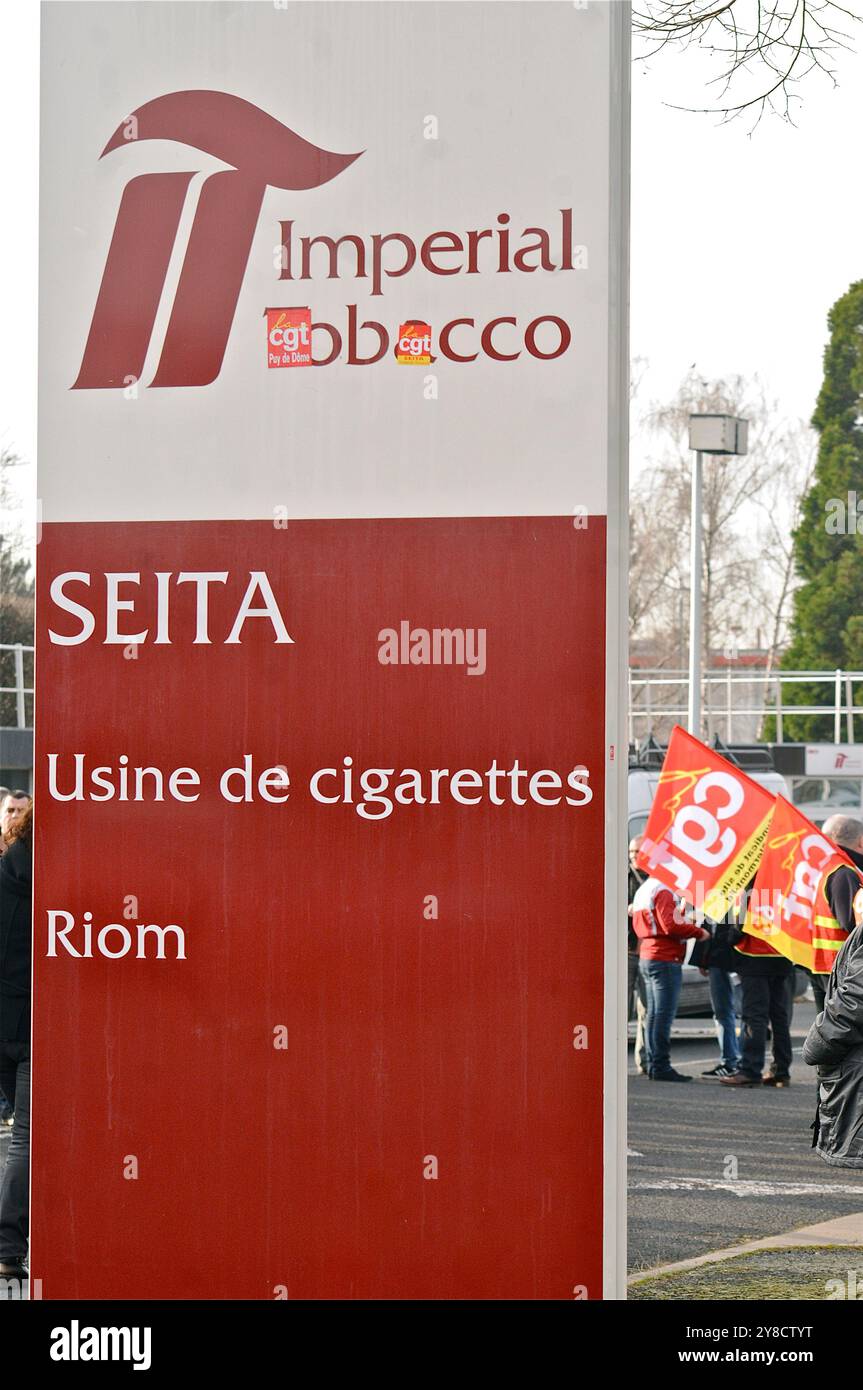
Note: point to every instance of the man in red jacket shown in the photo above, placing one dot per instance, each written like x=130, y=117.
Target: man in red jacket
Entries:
x=663, y=925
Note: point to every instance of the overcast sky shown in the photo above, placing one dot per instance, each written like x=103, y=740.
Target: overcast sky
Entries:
x=740, y=242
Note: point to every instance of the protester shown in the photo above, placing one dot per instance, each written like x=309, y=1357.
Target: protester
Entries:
x=834, y=1046
x=5, y=1107
x=15, y=971
x=12, y=807
x=767, y=984
x=635, y=880
x=662, y=925
x=716, y=959
x=839, y=888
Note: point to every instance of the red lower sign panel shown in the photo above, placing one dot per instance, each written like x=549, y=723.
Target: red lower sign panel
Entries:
x=376, y=1071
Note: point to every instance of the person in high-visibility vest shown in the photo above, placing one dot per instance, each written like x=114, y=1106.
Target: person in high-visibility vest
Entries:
x=835, y=896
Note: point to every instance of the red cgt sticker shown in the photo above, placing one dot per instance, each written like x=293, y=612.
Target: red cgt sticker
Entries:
x=289, y=337
x=414, y=346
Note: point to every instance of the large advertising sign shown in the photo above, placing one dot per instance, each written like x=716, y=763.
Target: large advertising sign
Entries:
x=328, y=927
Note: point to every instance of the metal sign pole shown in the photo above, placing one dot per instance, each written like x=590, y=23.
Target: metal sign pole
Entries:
x=694, y=723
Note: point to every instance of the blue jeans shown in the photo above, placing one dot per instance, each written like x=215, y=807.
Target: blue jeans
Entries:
x=722, y=1003
x=662, y=989
x=15, y=1188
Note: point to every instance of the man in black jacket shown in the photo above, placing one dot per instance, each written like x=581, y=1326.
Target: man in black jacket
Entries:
x=835, y=1047
x=717, y=960
x=12, y=807
x=15, y=961
x=842, y=885
x=767, y=981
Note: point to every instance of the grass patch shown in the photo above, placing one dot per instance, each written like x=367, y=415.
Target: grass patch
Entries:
x=798, y=1272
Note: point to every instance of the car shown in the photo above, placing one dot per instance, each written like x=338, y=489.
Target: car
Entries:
x=644, y=781
x=694, y=991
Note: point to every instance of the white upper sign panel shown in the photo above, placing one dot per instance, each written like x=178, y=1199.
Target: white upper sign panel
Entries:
x=833, y=760
x=420, y=181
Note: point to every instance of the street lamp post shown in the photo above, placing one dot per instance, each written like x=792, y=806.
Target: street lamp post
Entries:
x=708, y=434
x=695, y=598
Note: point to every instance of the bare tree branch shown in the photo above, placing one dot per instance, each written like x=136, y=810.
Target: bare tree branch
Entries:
x=764, y=48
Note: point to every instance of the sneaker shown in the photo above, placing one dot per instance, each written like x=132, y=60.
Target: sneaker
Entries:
x=670, y=1075
x=721, y=1071
x=780, y=1082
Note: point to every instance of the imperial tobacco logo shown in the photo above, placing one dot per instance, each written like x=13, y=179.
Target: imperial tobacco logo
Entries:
x=263, y=153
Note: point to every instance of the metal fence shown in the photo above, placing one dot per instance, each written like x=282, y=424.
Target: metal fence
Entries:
x=16, y=692
x=737, y=703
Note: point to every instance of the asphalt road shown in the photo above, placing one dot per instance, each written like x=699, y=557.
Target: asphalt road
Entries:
x=710, y=1166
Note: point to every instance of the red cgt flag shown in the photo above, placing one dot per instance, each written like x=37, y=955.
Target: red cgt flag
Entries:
x=786, y=907
x=707, y=826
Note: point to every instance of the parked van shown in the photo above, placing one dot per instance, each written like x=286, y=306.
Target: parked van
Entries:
x=644, y=782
